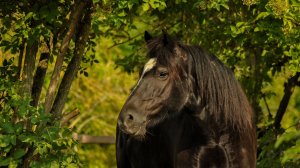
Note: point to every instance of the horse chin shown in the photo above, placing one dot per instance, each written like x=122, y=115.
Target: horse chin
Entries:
x=139, y=137
x=136, y=132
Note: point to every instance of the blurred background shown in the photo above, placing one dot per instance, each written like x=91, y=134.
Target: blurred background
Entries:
x=94, y=50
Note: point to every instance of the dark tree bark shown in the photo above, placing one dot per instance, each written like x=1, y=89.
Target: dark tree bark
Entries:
x=27, y=77
x=256, y=72
x=20, y=61
x=73, y=67
x=29, y=67
x=76, y=15
x=289, y=87
x=39, y=79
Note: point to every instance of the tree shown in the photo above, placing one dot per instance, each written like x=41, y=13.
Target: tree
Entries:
x=56, y=31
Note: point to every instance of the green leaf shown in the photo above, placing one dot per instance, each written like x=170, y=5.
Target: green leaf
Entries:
x=19, y=153
x=287, y=53
x=5, y=161
x=257, y=29
x=233, y=29
x=287, y=137
x=29, y=15
x=42, y=148
x=291, y=154
x=225, y=6
x=28, y=138
x=8, y=128
x=145, y=7
x=262, y=15
x=6, y=140
x=239, y=24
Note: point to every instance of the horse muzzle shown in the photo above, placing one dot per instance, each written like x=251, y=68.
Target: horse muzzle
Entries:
x=133, y=124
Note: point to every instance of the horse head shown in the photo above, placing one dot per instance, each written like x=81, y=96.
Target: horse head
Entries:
x=162, y=90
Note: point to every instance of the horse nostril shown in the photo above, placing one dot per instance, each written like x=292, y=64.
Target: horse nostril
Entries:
x=130, y=117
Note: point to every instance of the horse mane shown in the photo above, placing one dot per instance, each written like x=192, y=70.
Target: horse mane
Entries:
x=216, y=86
x=222, y=93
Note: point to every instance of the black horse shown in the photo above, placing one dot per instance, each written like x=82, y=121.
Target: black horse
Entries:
x=186, y=111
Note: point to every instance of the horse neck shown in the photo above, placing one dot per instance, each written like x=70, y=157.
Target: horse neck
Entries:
x=183, y=131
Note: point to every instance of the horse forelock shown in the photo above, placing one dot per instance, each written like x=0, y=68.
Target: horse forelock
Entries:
x=172, y=58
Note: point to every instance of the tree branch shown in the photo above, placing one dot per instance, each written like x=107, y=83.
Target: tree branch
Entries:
x=125, y=41
x=88, y=139
x=66, y=118
x=76, y=15
x=139, y=34
x=266, y=103
x=288, y=91
x=73, y=67
x=39, y=78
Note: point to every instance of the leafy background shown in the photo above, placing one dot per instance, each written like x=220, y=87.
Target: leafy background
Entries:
x=258, y=40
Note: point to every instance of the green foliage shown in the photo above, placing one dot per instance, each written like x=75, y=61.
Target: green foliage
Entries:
x=99, y=98
x=285, y=152
x=258, y=40
x=275, y=144
x=293, y=151
x=51, y=145
x=28, y=135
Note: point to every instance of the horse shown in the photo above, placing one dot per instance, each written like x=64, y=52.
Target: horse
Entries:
x=187, y=110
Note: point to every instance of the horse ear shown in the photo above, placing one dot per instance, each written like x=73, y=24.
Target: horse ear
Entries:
x=168, y=41
x=147, y=36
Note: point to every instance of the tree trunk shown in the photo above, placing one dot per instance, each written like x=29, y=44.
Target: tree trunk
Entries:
x=39, y=79
x=76, y=15
x=29, y=67
x=288, y=91
x=27, y=77
x=20, y=61
x=256, y=71
x=73, y=67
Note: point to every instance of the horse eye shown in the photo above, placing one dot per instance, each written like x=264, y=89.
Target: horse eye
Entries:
x=163, y=74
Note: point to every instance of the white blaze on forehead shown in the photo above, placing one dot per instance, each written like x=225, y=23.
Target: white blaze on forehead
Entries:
x=148, y=66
